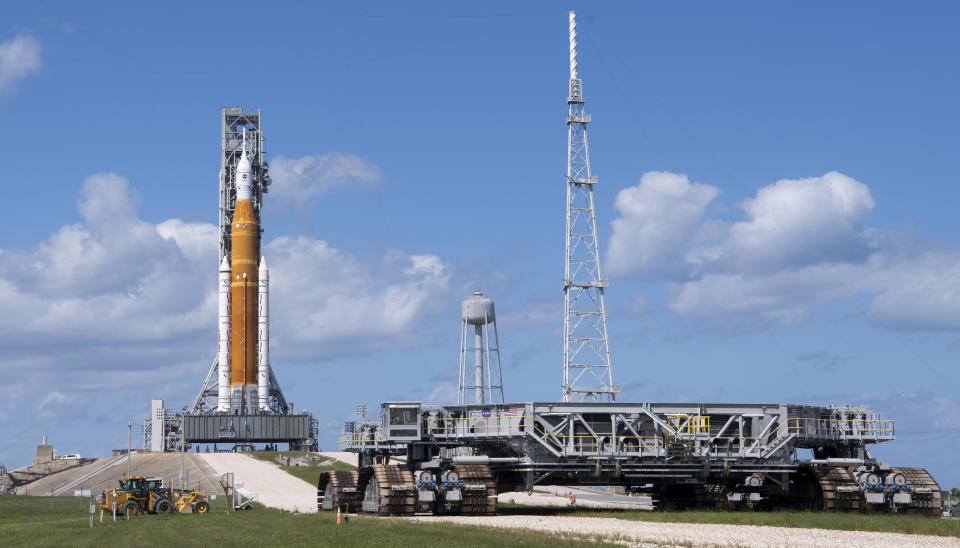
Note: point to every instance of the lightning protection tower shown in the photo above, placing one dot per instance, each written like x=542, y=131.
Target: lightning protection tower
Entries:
x=480, y=374
x=587, y=374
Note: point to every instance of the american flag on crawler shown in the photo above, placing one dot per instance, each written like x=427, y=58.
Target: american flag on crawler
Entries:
x=511, y=411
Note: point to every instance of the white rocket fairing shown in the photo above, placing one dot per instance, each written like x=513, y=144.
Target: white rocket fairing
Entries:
x=223, y=325
x=263, y=335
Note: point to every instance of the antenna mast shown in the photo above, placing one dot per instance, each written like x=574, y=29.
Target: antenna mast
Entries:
x=587, y=374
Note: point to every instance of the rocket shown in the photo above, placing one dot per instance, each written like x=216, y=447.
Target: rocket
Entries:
x=263, y=335
x=243, y=359
x=223, y=329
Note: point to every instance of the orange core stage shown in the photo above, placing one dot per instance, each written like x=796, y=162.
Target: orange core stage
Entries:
x=245, y=239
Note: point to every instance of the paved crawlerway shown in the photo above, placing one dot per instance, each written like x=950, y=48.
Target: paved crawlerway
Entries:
x=104, y=473
x=274, y=487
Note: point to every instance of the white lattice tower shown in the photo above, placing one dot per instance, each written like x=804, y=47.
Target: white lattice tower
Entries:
x=587, y=374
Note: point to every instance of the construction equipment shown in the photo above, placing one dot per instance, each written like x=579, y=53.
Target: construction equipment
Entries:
x=145, y=495
x=138, y=495
x=722, y=456
x=192, y=502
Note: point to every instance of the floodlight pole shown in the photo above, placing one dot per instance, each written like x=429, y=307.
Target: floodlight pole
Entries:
x=129, y=435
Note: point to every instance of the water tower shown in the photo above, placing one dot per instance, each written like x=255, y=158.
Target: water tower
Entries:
x=479, y=363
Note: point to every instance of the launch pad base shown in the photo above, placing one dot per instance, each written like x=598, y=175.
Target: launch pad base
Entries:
x=297, y=430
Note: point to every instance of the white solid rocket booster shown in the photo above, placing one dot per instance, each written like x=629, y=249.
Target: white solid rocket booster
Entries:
x=223, y=375
x=263, y=335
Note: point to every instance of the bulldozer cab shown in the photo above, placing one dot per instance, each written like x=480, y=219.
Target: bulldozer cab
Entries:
x=138, y=494
x=140, y=486
x=134, y=486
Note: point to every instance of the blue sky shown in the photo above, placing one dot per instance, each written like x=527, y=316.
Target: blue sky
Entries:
x=776, y=204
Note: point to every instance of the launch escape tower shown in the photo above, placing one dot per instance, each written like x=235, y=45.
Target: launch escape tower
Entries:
x=587, y=374
x=234, y=124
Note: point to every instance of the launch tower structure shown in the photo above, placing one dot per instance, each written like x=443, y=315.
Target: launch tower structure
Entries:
x=587, y=374
x=240, y=130
x=233, y=123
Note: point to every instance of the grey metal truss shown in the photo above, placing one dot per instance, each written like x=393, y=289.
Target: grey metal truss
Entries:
x=587, y=373
x=639, y=439
x=206, y=401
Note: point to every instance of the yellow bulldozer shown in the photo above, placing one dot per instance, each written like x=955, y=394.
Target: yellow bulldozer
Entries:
x=146, y=495
x=138, y=495
x=194, y=502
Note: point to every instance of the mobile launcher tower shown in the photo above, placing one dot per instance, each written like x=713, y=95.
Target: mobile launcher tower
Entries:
x=717, y=455
x=241, y=402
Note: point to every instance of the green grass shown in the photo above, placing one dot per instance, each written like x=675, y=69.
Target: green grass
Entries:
x=63, y=521
x=309, y=474
x=887, y=523
x=271, y=456
x=59, y=521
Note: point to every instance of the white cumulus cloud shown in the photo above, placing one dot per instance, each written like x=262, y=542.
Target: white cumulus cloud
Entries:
x=116, y=299
x=19, y=57
x=333, y=302
x=303, y=180
x=783, y=297
x=113, y=276
x=921, y=292
x=796, y=222
x=656, y=218
x=802, y=243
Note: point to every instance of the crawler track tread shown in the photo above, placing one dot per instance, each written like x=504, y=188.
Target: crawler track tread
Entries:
x=333, y=485
x=395, y=486
x=839, y=489
x=927, y=503
x=477, y=502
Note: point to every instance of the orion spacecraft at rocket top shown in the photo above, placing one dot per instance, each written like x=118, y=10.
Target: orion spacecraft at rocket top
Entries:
x=243, y=298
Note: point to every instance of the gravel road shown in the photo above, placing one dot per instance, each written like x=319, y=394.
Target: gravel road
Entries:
x=274, y=487
x=640, y=533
